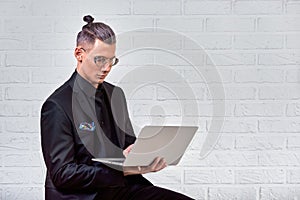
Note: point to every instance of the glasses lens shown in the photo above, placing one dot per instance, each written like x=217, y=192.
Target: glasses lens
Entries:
x=101, y=60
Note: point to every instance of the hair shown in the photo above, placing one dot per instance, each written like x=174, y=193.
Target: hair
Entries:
x=95, y=30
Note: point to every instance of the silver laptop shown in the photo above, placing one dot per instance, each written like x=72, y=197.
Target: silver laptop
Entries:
x=169, y=142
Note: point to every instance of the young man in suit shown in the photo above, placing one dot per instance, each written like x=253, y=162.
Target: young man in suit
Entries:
x=87, y=117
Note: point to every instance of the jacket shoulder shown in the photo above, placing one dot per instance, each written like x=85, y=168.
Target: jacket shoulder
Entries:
x=62, y=95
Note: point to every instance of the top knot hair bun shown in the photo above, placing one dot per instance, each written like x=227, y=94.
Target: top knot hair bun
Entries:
x=88, y=19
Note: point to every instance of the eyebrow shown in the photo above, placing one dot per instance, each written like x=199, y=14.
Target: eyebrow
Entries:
x=105, y=57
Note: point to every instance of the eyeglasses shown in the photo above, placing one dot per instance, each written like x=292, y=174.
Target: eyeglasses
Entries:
x=100, y=61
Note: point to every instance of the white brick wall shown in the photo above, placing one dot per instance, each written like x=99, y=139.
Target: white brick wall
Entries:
x=254, y=45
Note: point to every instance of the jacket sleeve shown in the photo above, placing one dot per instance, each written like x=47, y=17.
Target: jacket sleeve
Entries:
x=59, y=154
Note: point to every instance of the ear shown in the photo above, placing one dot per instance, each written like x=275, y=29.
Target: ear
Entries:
x=78, y=53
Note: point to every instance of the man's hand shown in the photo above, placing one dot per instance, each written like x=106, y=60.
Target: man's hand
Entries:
x=157, y=165
x=127, y=150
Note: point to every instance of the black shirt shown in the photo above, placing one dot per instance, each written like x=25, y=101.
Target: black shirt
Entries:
x=99, y=102
x=104, y=114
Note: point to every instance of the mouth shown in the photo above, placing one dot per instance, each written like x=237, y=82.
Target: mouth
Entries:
x=101, y=76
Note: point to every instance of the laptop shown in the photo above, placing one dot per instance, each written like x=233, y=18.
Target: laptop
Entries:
x=169, y=142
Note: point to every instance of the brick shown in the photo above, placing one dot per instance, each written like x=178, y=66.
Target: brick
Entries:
x=130, y=25
x=27, y=93
x=124, y=43
x=22, y=159
x=279, y=193
x=193, y=7
x=166, y=176
x=259, y=109
x=293, y=76
x=14, y=42
x=136, y=58
x=206, y=109
x=238, y=93
x=178, y=92
x=150, y=75
x=141, y=121
x=103, y=7
x=293, y=142
x=208, y=76
x=15, y=142
x=134, y=93
x=26, y=59
x=36, y=144
x=1, y=31
x=2, y=56
x=166, y=108
x=204, y=41
x=181, y=24
x=181, y=58
x=230, y=24
x=259, y=76
x=279, y=92
x=156, y=7
x=13, y=75
x=8, y=109
x=252, y=143
x=68, y=25
x=224, y=143
x=51, y=42
x=279, y=126
x=279, y=59
x=252, y=176
x=293, y=7
x=196, y=192
x=64, y=60
x=239, y=126
x=22, y=125
x=293, y=176
x=277, y=159
x=15, y=8
x=25, y=25
x=50, y=75
x=55, y=8
x=241, y=193
x=36, y=109
x=292, y=41
x=293, y=110
x=231, y=59
x=257, y=7
x=21, y=192
x=157, y=40
x=278, y=24
x=258, y=41
x=219, y=143
x=220, y=159
x=21, y=175
x=1, y=94
x=208, y=176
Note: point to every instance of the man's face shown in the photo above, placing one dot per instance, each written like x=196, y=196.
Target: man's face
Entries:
x=88, y=69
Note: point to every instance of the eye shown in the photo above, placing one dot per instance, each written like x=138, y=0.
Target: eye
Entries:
x=100, y=59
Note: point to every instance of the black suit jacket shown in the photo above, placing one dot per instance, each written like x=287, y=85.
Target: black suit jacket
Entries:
x=68, y=150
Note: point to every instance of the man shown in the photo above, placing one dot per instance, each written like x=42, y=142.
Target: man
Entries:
x=87, y=117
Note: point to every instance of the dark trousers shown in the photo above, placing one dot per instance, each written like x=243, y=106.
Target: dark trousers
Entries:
x=143, y=192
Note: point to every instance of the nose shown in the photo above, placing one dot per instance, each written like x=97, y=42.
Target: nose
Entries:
x=106, y=67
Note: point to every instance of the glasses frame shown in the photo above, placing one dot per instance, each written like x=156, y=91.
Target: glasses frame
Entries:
x=106, y=60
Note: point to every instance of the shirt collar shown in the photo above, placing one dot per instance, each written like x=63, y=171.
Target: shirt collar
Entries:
x=87, y=88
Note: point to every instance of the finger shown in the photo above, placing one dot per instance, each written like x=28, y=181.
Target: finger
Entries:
x=159, y=165
x=162, y=164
